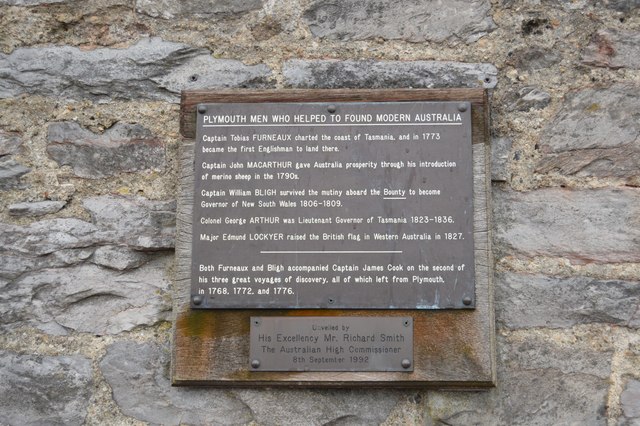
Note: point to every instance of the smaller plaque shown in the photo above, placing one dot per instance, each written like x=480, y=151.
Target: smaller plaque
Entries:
x=331, y=344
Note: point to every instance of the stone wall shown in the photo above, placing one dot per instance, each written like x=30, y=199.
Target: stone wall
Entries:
x=88, y=162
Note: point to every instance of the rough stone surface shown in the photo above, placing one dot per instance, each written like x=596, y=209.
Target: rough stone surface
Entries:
x=621, y=5
x=120, y=258
x=206, y=72
x=529, y=98
x=87, y=298
x=172, y=9
x=598, y=225
x=38, y=208
x=312, y=407
x=595, y=118
x=587, y=354
x=540, y=382
x=331, y=74
x=122, y=148
x=565, y=386
x=619, y=162
x=39, y=390
x=613, y=49
x=597, y=133
x=149, y=69
x=135, y=221
x=28, y=2
x=9, y=142
x=15, y=264
x=565, y=302
x=552, y=398
x=10, y=173
x=48, y=236
x=500, y=151
x=533, y=58
x=139, y=377
x=630, y=400
x=410, y=20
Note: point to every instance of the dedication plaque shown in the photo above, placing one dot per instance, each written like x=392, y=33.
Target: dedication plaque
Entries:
x=333, y=205
x=331, y=344
x=334, y=238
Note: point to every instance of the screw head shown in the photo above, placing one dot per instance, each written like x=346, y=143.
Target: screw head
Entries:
x=331, y=301
x=197, y=300
x=406, y=323
x=255, y=363
x=462, y=107
x=256, y=322
x=331, y=109
x=466, y=300
x=202, y=109
x=406, y=363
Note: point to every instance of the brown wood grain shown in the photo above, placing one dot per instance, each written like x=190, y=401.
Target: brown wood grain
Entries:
x=453, y=349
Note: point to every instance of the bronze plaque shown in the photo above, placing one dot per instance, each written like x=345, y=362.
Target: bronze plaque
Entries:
x=331, y=344
x=345, y=205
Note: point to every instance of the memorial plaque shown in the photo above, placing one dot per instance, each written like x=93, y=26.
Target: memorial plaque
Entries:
x=331, y=344
x=333, y=205
x=334, y=238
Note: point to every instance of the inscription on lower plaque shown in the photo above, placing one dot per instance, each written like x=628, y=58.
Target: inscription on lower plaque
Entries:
x=346, y=205
x=331, y=344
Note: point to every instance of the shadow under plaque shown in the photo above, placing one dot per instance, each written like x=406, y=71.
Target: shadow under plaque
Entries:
x=334, y=238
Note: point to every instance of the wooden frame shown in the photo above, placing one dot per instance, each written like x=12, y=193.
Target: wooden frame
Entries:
x=452, y=349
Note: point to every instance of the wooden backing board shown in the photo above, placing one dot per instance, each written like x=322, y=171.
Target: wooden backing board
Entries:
x=453, y=349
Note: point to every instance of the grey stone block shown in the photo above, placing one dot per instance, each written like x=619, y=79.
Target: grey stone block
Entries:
x=48, y=236
x=410, y=20
x=199, y=9
x=10, y=142
x=534, y=58
x=37, y=208
x=119, y=258
x=122, y=148
x=614, y=49
x=500, y=151
x=139, y=377
x=29, y=2
x=10, y=173
x=87, y=298
x=618, y=162
x=314, y=407
x=150, y=69
x=620, y=5
x=597, y=225
x=630, y=401
x=525, y=301
x=576, y=355
x=541, y=381
x=15, y=264
x=44, y=390
x=529, y=98
x=330, y=74
x=547, y=397
x=595, y=118
x=204, y=72
x=134, y=221
x=596, y=134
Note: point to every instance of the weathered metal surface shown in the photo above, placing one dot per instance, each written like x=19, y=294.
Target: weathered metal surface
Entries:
x=333, y=205
x=331, y=344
